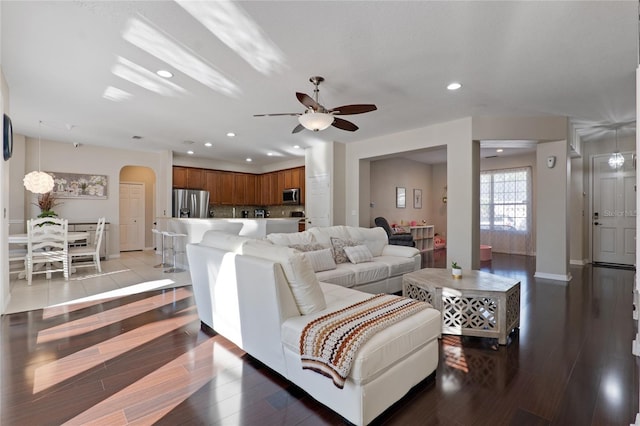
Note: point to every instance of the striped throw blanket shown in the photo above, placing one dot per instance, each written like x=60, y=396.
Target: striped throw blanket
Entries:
x=328, y=345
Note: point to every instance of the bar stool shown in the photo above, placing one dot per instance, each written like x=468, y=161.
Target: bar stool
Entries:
x=174, y=236
x=163, y=264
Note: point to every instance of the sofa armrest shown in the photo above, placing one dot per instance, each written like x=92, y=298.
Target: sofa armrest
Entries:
x=400, y=251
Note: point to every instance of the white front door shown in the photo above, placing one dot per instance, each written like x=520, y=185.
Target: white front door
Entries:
x=132, y=216
x=614, y=211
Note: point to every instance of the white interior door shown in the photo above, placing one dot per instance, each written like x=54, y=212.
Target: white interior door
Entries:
x=614, y=211
x=318, y=201
x=132, y=216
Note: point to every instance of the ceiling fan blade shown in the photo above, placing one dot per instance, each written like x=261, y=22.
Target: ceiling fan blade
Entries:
x=344, y=124
x=277, y=114
x=353, y=109
x=308, y=101
x=298, y=128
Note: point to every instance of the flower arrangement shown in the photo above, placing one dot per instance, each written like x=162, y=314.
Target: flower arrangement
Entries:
x=47, y=202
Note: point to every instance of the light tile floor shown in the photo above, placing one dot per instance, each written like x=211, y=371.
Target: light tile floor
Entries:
x=132, y=272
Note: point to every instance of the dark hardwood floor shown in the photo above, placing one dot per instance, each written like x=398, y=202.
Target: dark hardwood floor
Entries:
x=142, y=359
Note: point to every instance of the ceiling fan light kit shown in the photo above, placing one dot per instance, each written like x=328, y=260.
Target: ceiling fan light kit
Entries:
x=315, y=121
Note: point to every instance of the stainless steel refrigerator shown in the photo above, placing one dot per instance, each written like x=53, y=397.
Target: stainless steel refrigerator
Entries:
x=190, y=203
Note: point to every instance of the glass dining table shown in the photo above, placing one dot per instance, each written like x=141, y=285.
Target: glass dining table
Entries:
x=72, y=237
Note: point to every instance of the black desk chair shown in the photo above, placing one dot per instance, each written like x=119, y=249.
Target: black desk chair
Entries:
x=396, y=239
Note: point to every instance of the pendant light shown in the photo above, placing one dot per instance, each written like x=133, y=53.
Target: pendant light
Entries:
x=38, y=182
x=616, y=160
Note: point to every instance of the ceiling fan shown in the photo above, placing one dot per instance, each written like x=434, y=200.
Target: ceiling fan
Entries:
x=316, y=117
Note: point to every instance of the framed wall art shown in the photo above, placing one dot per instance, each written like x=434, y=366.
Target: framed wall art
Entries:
x=80, y=186
x=417, y=198
x=401, y=197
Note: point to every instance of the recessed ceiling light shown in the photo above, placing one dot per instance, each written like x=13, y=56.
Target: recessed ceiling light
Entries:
x=454, y=86
x=296, y=146
x=269, y=154
x=248, y=160
x=499, y=150
x=164, y=73
x=231, y=134
x=208, y=144
x=190, y=152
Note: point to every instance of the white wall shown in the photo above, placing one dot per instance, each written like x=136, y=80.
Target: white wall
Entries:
x=388, y=174
x=552, y=237
x=64, y=157
x=4, y=204
x=463, y=209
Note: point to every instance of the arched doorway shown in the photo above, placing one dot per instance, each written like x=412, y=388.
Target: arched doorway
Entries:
x=137, y=207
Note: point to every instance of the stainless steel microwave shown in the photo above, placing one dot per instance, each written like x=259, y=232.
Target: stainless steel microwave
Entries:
x=291, y=196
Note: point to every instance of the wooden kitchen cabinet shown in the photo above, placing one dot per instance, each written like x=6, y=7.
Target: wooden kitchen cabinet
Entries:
x=188, y=177
x=252, y=194
x=276, y=191
x=195, y=178
x=212, y=184
x=233, y=188
x=227, y=188
x=179, y=177
x=240, y=193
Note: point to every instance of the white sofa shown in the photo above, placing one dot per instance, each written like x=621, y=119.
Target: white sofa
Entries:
x=261, y=296
x=382, y=275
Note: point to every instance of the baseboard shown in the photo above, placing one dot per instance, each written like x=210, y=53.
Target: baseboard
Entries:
x=555, y=277
x=114, y=256
x=579, y=262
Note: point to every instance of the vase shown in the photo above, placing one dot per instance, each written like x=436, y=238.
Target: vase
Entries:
x=456, y=272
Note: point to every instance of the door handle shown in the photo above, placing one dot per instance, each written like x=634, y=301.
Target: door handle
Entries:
x=596, y=223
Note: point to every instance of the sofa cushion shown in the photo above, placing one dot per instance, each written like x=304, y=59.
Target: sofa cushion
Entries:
x=288, y=239
x=397, y=265
x=341, y=276
x=338, y=245
x=374, y=238
x=224, y=241
x=367, y=272
x=323, y=234
x=384, y=349
x=358, y=254
x=321, y=260
x=298, y=271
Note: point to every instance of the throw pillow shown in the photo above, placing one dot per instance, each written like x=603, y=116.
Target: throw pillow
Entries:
x=321, y=260
x=358, y=254
x=338, y=245
x=307, y=247
x=302, y=280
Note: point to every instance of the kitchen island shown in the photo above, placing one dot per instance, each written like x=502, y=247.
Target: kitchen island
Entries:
x=194, y=229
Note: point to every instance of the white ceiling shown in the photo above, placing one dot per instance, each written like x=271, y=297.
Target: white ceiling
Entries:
x=574, y=59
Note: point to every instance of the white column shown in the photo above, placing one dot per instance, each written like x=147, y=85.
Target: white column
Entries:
x=552, y=212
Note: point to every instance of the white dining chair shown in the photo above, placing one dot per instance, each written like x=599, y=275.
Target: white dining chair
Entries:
x=47, y=247
x=90, y=250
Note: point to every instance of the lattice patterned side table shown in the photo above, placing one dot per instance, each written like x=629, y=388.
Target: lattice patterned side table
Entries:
x=480, y=304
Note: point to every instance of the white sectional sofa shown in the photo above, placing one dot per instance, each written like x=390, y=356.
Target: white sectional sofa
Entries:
x=383, y=274
x=261, y=296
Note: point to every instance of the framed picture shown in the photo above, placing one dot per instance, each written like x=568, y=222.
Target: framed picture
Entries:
x=80, y=186
x=417, y=198
x=401, y=197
